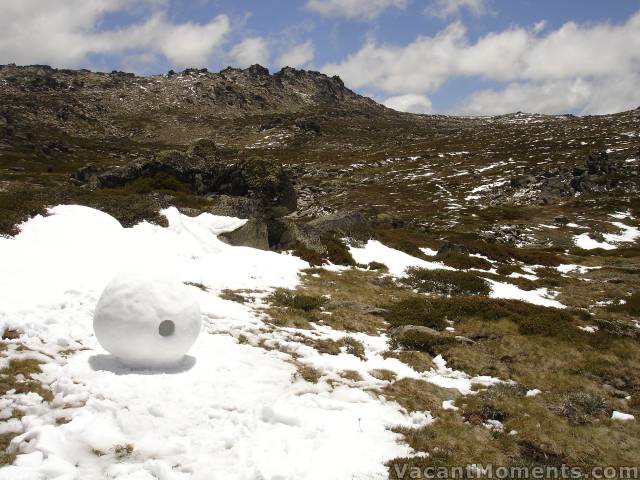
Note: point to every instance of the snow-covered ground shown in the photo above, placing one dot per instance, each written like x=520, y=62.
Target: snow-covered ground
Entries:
x=231, y=410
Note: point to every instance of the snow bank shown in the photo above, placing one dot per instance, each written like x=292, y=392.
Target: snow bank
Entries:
x=627, y=234
x=395, y=260
x=587, y=243
x=508, y=291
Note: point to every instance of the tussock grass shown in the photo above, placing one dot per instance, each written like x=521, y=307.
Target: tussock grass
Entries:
x=581, y=407
x=6, y=458
x=419, y=361
x=507, y=253
x=462, y=261
x=630, y=307
x=452, y=442
x=352, y=375
x=377, y=266
x=295, y=300
x=334, y=347
x=228, y=294
x=337, y=251
x=418, y=395
x=17, y=376
x=306, y=372
x=446, y=282
x=531, y=319
x=414, y=311
x=383, y=374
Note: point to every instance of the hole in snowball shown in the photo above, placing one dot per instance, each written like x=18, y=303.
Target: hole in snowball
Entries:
x=166, y=328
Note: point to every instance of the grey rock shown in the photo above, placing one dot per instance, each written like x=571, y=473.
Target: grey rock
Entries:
x=356, y=306
x=450, y=247
x=252, y=234
x=406, y=330
x=265, y=181
x=522, y=180
x=241, y=207
x=285, y=234
x=342, y=223
x=615, y=391
x=465, y=340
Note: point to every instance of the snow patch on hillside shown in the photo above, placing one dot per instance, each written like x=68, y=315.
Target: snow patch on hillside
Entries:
x=230, y=410
x=395, y=260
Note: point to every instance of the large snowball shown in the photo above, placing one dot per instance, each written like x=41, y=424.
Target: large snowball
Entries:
x=147, y=322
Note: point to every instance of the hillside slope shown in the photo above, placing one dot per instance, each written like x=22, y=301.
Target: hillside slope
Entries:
x=403, y=291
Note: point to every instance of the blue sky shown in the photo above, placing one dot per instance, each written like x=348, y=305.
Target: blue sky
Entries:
x=440, y=56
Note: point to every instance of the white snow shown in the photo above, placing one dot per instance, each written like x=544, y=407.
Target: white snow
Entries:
x=627, y=234
x=488, y=186
x=621, y=416
x=568, y=267
x=586, y=242
x=147, y=321
x=533, y=392
x=495, y=425
x=539, y=296
x=395, y=260
x=449, y=405
x=233, y=411
x=589, y=329
x=621, y=215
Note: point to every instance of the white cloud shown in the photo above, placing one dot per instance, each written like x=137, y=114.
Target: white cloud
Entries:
x=298, y=55
x=539, y=26
x=595, y=96
x=551, y=97
x=250, y=51
x=410, y=102
x=353, y=9
x=448, y=8
x=596, y=55
x=66, y=32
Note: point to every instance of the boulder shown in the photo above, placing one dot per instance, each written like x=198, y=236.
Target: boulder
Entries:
x=264, y=181
x=241, y=207
x=251, y=234
x=450, y=247
x=203, y=148
x=285, y=234
x=522, y=181
x=424, y=338
x=415, y=337
x=267, y=181
x=308, y=125
x=342, y=223
x=600, y=163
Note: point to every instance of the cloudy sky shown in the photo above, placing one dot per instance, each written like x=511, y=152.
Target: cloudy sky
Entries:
x=431, y=56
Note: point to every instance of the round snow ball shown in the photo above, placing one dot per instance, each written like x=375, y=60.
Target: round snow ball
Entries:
x=147, y=322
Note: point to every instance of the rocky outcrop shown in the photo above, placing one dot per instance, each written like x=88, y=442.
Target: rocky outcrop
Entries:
x=508, y=234
x=598, y=174
x=424, y=338
x=450, y=247
x=345, y=223
x=262, y=187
